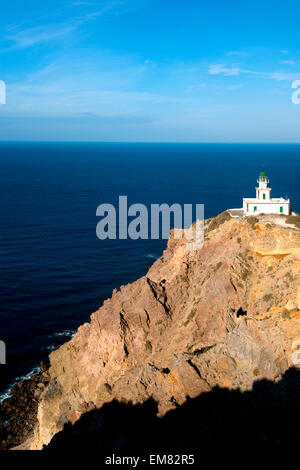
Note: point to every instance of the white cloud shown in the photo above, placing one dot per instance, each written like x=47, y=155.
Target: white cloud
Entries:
x=287, y=62
x=33, y=36
x=50, y=32
x=78, y=4
x=281, y=76
x=237, y=53
x=218, y=69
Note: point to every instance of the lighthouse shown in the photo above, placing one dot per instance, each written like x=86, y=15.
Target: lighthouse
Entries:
x=262, y=191
x=263, y=203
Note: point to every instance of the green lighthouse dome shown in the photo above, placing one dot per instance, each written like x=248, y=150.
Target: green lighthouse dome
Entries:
x=263, y=173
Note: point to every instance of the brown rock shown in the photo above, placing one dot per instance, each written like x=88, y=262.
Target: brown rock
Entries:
x=216, y=316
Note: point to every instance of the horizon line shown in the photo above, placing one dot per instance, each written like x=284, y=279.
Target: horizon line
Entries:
x=143, y=142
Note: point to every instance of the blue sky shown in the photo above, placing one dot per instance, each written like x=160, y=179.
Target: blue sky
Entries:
x=150, y=70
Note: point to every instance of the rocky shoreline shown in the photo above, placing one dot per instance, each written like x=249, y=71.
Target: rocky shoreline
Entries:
x=18, y=412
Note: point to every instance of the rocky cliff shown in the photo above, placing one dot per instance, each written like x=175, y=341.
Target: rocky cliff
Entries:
x=227, y=315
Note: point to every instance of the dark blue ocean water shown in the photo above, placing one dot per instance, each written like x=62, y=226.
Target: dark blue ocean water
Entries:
x=54, y=270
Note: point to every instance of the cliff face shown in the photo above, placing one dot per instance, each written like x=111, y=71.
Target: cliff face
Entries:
x=226, y=315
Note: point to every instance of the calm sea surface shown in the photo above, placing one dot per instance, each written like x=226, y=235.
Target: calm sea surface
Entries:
x=54, y=270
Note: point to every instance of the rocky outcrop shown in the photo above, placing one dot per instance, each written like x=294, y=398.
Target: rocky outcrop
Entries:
x=18, y=412
x=227, y=314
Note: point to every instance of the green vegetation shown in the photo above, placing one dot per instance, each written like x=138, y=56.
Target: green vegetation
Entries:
x=268, y=297
x=256, y=372
x=285, y=314
x=148, y=346
x=218, y=266
x=289, y=276
x=219, y=220
x=293, y=220
x=252, y=220
x=190, y=316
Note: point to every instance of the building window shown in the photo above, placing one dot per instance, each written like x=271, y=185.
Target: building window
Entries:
x=255, y=208
x=281, y=209
x=264, y=196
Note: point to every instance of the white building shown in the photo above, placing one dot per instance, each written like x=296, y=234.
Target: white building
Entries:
x=263, y=203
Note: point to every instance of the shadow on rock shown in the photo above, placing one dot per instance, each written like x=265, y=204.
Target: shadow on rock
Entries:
x=266, y=418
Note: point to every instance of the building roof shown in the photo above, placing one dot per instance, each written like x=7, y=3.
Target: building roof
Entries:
x=263, y=173
x=279, y=200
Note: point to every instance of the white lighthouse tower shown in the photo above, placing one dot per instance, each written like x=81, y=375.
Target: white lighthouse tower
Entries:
x=263, y=203
x=263, y=192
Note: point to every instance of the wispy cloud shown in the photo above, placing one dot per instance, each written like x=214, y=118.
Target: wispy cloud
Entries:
x=282, y=76
x=287, y=62
x=221, y=69
x=79, y=4
x=237, y=53
x=32, y=36
x=46, y=33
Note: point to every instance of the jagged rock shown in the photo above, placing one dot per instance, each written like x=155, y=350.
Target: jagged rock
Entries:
x=18, y=413
x=225, y=315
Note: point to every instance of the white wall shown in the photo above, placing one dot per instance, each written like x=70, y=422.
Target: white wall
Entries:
x=268, y=208
x=263, y=192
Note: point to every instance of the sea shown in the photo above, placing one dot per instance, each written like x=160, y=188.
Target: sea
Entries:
x=54, y=270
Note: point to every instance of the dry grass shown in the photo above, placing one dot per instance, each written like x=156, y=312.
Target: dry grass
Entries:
x=219, y=220
x=293, y=220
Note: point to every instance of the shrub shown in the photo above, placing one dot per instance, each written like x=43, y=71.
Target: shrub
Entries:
x=293, y=220
x=218, y=266
x=267, y=297
x=219, y=220
x=190, y=316
x=148, y=346
x=252, y=220
x=256, y=371
x=285, y=315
